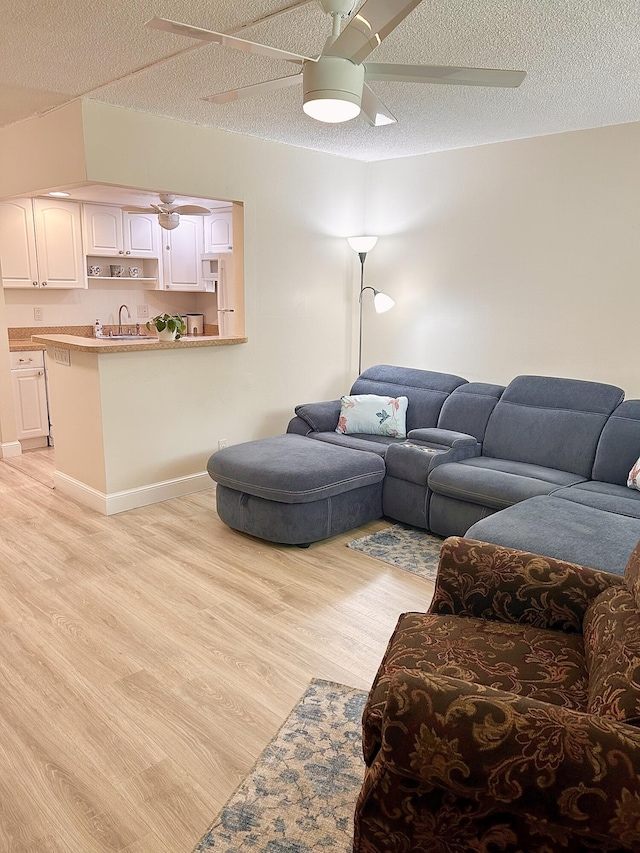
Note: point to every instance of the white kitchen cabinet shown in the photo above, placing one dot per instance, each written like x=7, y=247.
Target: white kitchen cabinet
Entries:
x=111, y=232
x=30, y=396
x=41, y=243
x=182, y=255
x=218, y=232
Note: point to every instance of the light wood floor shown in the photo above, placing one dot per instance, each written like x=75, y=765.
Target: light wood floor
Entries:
x=146, y=659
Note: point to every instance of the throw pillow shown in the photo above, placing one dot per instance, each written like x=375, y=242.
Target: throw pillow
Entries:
x=634, y=476
x=373, y=415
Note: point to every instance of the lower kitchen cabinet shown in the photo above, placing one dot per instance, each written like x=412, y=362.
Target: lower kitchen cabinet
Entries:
x=30, y=398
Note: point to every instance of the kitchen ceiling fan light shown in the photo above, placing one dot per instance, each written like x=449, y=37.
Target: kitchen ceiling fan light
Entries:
x=169, y=221
x=332, y=89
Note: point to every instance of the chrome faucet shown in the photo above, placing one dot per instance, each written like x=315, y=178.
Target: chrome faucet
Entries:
x=120, y=317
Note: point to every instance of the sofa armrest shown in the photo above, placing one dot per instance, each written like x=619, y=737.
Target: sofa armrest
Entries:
x=444, y=437
x=493, y=582
x=321, y=417
x=299, y=427
x=573, y=770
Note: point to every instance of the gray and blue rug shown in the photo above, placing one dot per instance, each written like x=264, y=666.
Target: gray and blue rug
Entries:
x=301, y=794
x=406, y=547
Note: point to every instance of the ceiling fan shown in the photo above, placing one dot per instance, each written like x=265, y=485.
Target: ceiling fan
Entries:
x=336, y=83
x=168, y=212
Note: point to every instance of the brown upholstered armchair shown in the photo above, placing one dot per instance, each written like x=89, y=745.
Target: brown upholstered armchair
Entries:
x=507, y=718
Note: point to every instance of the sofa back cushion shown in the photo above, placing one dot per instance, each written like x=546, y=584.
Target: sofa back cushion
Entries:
x=611, y=631
x=425, y=390
x=619, y=445
x=468, y=407
x=552, y=422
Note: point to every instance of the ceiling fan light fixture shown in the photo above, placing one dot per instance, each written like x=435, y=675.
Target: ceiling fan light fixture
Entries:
x=332, y=89
x=331, y=110
x=169, y=221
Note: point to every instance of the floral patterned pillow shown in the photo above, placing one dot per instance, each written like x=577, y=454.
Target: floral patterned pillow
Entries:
x=373, y=415
x=634, y=476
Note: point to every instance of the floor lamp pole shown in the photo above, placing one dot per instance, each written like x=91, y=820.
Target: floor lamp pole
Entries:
x=362, y=256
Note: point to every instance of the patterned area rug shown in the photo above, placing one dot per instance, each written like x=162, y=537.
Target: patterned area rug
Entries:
x=301, y=794
x=407, y=547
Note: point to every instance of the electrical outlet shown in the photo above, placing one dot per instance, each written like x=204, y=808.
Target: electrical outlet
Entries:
x=142, y=310
x=37, y=313
x=223, y=443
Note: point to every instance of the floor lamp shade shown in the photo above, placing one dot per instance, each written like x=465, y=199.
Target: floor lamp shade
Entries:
x=362, y=244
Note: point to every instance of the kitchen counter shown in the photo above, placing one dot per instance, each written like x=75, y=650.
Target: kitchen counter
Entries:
x=22, y=345
x=100, y=346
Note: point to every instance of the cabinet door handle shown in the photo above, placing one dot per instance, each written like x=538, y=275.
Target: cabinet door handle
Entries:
x=127, y=252
x=34, y=283
x=44, y=283
x=121, y=251
x=41, y=373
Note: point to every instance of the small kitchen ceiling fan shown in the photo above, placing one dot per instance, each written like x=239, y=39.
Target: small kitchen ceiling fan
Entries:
x=336, y=83
x=168, y=212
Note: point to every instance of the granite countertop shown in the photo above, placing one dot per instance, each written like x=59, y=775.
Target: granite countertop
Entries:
x=104, y=345
x=22, y=339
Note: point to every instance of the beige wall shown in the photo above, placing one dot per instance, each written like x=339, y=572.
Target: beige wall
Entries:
x=301, y=293
x=519, y=257
x=42, y=153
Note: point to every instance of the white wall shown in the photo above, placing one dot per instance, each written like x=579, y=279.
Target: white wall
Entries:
x=519, y=257
x=300, y=278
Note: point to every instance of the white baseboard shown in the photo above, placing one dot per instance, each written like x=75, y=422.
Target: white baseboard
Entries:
x=8, y=449
x=110, y=504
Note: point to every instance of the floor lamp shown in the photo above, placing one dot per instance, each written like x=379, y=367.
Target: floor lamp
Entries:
x=381, y=302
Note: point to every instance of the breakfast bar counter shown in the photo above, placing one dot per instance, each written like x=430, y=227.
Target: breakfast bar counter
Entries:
x=135, y=421
x=111, y=345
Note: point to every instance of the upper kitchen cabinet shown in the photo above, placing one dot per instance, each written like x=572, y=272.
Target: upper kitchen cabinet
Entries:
x=218, y=232
x=182, y=255
x=112, y=232
x=41, y=243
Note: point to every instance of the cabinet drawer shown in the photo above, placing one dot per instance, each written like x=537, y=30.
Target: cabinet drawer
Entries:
x=32, y=358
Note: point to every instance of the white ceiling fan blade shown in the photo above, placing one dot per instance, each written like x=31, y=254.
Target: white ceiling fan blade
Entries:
x=374, y=110
x=191, y=210
x=449, y=75
x=369, y=26
x=255, y=89
x=220, y=38
x=138, y=209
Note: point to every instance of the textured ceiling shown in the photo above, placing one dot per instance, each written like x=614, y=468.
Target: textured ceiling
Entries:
x=582, y=59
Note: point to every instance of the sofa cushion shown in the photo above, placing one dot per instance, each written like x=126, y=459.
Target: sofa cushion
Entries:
x=293, y=469
x=565, y=530
x=468, y=407
x=611, y=632
x=552, y=422
x=524, y=660
x=373, y=414
x=496, y=483
x=371, y=443
x=605, y=496
x=619, y=444
x=426, y=390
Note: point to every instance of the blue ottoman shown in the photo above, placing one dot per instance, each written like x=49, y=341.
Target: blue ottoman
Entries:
x=294, y=490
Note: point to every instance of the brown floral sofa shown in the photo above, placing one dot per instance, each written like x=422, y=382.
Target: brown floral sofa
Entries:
x=507, y=717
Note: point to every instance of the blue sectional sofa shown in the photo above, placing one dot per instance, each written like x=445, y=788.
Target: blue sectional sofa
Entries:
x=540, y=464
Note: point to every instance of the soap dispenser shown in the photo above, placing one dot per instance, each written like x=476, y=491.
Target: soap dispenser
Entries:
x=98, y=329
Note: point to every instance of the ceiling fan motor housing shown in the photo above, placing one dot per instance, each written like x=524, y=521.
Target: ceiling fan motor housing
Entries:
x=332, y=78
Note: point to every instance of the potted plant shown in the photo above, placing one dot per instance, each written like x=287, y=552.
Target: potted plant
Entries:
x=169, y=327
